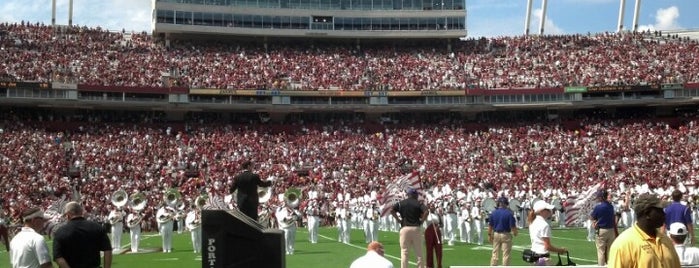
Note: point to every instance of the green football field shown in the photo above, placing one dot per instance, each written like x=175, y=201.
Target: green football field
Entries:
x=330, y=253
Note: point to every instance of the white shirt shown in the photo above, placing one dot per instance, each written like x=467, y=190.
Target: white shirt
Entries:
x=371, y=260
x=537, y=231
x=192, y=221
x=116, y=217
x=688, y=255
x=285, y=217
x=28, y=249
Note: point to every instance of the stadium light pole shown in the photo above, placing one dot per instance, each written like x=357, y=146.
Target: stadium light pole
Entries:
x=620, y=24
x=637, y=8
x=543, y=17
x=70, y=13
x=53, y=13
x=528, y=17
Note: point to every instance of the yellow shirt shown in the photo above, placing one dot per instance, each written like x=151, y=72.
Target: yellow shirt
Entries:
x=634, y=248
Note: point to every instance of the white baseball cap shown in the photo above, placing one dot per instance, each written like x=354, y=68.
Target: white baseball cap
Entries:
x=678, y=228
x=541, y=205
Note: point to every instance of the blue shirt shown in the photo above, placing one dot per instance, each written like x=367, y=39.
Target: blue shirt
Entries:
x=502, y=220
x=603, y=213
x=676, y=212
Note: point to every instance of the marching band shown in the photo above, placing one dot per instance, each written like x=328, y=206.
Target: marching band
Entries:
x=458, y=215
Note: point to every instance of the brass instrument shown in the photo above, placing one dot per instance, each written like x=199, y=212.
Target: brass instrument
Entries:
x=292, y=197
x=171, y=197
x=119, y=198
x=264, y=193
x=166, y=216
x=200, y=201
x=116, y=218
x=134, y=220
x=137, y=202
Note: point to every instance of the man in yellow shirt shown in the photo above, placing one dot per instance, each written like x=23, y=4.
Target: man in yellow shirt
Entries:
x=643, y=245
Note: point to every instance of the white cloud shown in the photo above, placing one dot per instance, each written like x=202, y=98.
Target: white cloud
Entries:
x=665, y=19
x=549, y=26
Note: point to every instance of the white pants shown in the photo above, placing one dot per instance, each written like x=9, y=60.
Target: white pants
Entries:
x=196, y=239
x=373, y=230
x=135, y=237
x=166, y=233
x=466, y=232
x=313, y=224
x=117, y=231
x=344, y=231
x=478, y=228
x=450, y=222
x=289, y=238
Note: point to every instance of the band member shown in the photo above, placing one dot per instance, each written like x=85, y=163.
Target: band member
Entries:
x=179, y=220
x=4, y=234
x=287, y=217
x=116, y=219
x=313, y=218
x=433, y=241
x=133, y=221
x=343, y=214
x=165, y=217
x=193, y=222
x=477, y=222
x=465, y=225
x=372, y=215
x=450, y=222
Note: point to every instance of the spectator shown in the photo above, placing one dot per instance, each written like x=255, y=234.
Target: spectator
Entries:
x=688, y=255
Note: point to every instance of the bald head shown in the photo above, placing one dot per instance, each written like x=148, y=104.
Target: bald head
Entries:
x=73, y=209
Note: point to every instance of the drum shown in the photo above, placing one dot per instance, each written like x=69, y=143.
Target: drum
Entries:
x=515, y=205
x=488, y=205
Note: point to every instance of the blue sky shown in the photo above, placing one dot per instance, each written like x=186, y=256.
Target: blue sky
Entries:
x=485, y=17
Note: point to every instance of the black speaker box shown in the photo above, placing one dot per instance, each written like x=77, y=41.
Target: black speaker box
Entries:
x=231, y=239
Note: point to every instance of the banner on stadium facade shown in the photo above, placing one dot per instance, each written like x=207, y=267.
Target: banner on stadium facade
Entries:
x=25, y=85
x=422, y=93
x=575, y=89
x=59, y=85
x=672, y=86
x=691, y=86
x=623, y=88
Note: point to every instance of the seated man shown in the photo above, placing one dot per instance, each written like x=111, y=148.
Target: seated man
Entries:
x=688, y=255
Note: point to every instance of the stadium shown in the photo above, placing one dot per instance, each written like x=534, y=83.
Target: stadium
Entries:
x=340, y=99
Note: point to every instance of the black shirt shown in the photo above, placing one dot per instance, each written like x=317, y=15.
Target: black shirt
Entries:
x=247, y=198
x=410, y=210
x=79, y=242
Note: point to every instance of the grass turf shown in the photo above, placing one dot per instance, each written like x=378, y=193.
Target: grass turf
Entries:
x=330, y=253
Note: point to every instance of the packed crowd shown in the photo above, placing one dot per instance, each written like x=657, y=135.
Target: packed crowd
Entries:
x=35, y=52
x=340, y=158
